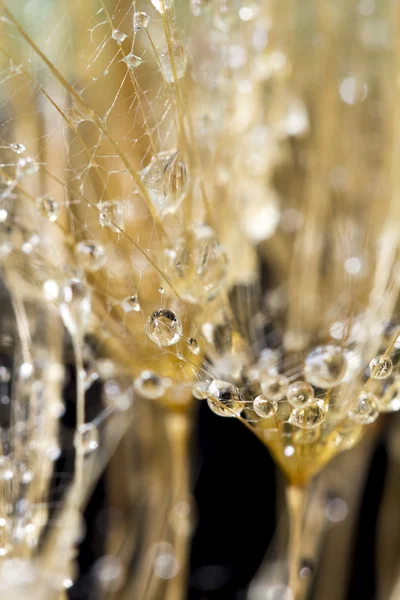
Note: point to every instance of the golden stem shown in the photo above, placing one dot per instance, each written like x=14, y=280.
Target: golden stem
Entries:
x=296, y=497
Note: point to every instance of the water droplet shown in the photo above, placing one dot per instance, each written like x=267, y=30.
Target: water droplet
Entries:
x=162, y=5
x=17, y=148
x=166, y=565
x=264, y=407
x=200, y=390
x=89, y=375
x=164, y=327
x=90, y=255
x=381, y=367
x=224, y=399
x=140, y=21
x=132, y=61
x=109, y=573
x=197, y=265
x=175, y=67
x=193, y=346
x=308, y=417
x=366, y=409
x=336, y=510
x=7, y=469
x=75, y=304
x=325, y=366
x=300, y=393
x=307, y=569
x=118, y=36
x=131, y=303
x=87, y=439
x=353, y=90
x=48, y=207
x=275, y=388
x=26, y=167
x=150, y=385
x=111, y=215
x=5, y=374
x=166, y=179
x=117, y=396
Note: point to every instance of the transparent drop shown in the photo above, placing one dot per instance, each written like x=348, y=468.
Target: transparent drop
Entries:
x=111, y=215
x=5, y=374
x=48, y=207
x=118, y=36
x=150, y=385
x=87, y=439
x=132, y=61
x=275, y=388
x=193, y=346
x=175, y=68
x=325, y=366
x=117, y=396
x=166, y=180
x=307, y=569
x=381, y=367
x=164, y=327
x=200, y=390
x=89, y=375
x=197, y=265
x=90, y=255
x=17, y=148
x=366, y=409
x=140, y=21
x=308, y=417
x=224, y=399
x=162, y=5
x=264, y=407
x=131, y=303
x=27, y=241
x=26, y=167
x=75, y=304
x=300, y=393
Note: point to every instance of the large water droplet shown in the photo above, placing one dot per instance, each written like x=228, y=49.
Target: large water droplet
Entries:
x=90, y=255
x=150, y=385
x=162, y=5
x=175, y=68
x=300, y=393
x=132, y=61
x=140, y=21
x=325, y=366
x=308, y=417
x=275, y=388
x=264, y=407
x=224, y=399
x=381, y=367
x=166, y=180
x=197, y=265
x=164, y=327
x=366, y=409
x=118, y=36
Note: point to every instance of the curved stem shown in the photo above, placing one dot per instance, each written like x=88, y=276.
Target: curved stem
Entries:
x=296, y=497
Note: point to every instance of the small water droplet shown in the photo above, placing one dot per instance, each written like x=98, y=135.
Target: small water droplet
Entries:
x=366, y=409
x=87, y=439
x=132, y=61
x=111, y=216
x=307, y=569
x=193, y=346
x=264, y=407
x=161, y=290
x=164, y=327
x=7, y=469
x=90, y=255
x=381, y=367
x=325, y=366
x=48, y=207
x=176, y=67
x=17, y=148
x=300, y=393
x=75, y=304
x=224, y=399
x=140, y=21
x=118, y=36
x=131, y=303
x=308, y=417
x=275, y=388
x=150, y=385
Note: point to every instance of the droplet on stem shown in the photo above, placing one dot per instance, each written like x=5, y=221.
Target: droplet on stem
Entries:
x=224, y=399
x=164, y=327
x=325, y=366
x=381, y=367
